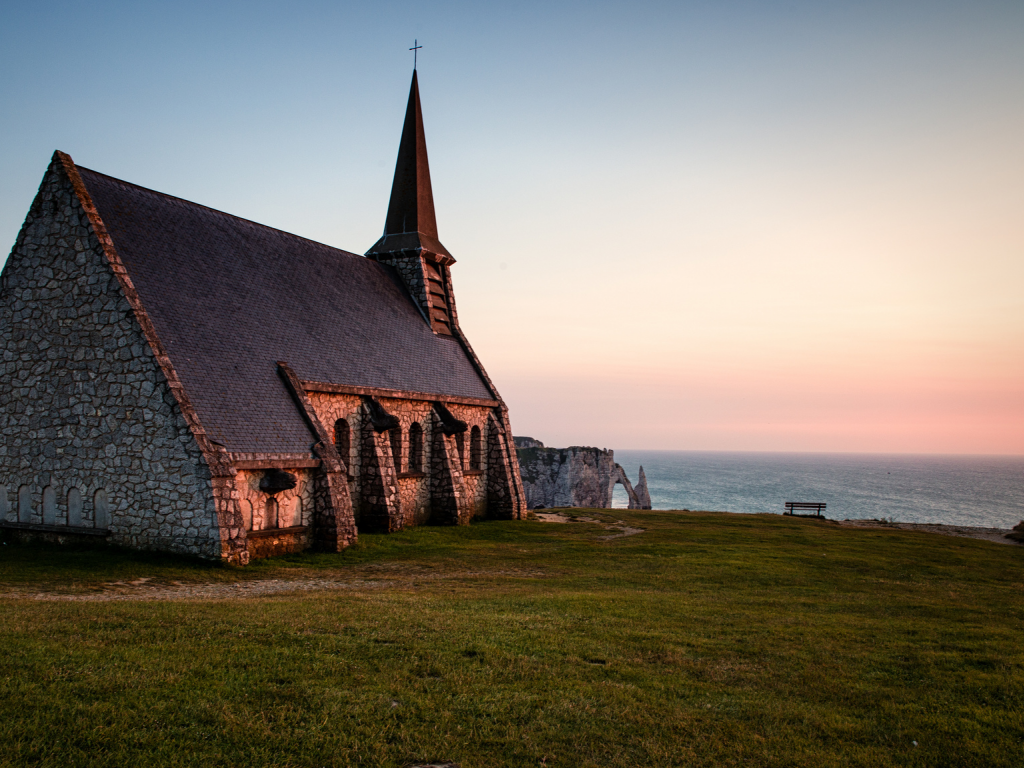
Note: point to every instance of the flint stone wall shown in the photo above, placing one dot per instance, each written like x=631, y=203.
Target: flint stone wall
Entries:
x=410, y=271
x=406, y=487
x=84, y=402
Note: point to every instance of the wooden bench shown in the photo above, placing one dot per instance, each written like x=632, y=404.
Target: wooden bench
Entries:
x=792, y=506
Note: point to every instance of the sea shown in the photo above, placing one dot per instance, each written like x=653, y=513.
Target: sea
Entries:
x=983, y=491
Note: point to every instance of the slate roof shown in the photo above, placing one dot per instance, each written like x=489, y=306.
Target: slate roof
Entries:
x=229, y=298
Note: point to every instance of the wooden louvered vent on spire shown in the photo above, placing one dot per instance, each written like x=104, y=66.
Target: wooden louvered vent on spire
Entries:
x=440, y=316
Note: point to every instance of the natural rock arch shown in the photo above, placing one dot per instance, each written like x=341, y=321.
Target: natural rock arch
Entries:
x=618, y=475
x=578, y=476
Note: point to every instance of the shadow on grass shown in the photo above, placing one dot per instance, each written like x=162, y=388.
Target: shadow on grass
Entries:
x=77, y=564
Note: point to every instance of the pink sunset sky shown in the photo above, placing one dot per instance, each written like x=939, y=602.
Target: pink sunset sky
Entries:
x=731, y=226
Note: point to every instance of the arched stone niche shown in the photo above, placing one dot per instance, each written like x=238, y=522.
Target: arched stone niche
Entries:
x=75, y=508
x=49, y=506
x=294, y=505
x=246, y=507
x=24, y=504
x=101, y=510
x=270, y=510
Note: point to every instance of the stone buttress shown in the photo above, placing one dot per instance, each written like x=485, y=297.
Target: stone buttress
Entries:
x=333, y=520
x=379, y=500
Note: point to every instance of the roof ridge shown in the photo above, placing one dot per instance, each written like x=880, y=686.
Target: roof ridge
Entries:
x=230, y=296
x=175, y=198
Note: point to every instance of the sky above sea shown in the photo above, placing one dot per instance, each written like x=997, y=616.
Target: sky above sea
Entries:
x=747, y=226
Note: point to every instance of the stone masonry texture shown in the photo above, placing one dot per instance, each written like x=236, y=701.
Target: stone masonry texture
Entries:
x=87, y=412
x=388, y=492
x=101, y=439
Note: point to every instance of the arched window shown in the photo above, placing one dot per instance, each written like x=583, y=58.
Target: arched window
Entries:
x=396, y=446
x=270, y=513
x=49, y=506
x=297, y=512
x=246, y=506
x=24, y=504
x=343, y=439
x=474, y=448
x=415, y=447
x=75, y=507
x=101, y=510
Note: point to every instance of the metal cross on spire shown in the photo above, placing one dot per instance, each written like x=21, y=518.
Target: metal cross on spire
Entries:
x=415, y=47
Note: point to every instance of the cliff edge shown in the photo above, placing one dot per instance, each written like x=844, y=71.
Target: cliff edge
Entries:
x=577, y=476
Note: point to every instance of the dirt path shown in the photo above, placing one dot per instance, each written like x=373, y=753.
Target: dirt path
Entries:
x=145, y=590
x=140, y=590
x=619, y=526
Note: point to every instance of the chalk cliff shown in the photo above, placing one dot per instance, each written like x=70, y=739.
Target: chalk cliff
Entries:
x=577, y=476
x=643, y=496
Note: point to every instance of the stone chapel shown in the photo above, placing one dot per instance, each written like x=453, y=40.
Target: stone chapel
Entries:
x=177, y=378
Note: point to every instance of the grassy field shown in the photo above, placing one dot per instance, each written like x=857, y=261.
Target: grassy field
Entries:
x=706, y=640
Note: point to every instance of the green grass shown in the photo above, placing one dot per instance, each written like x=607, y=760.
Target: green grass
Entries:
x=708, y=640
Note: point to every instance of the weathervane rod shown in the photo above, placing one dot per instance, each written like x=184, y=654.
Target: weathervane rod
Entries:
x=415, y=47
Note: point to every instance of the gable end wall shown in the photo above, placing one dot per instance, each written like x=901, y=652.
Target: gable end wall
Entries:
x=84, y=403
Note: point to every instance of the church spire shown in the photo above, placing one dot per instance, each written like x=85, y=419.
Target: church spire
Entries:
x=410, y=243
x=410, y=224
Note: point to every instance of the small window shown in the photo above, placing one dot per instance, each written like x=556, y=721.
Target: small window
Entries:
x=297, y=512
x=75, y=507
x=415, y=447
x=396, y=447
x=3, y=502
x=474, y=448
x=343, y=440
x=270, y=513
